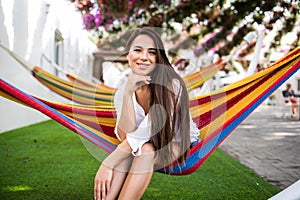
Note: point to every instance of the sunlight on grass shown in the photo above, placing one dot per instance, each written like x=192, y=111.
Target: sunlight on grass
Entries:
x=17, y=188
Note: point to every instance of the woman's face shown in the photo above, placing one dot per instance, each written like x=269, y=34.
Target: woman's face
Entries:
x=142, y=55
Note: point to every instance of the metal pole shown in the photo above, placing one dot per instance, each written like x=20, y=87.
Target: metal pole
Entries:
x=258, y=45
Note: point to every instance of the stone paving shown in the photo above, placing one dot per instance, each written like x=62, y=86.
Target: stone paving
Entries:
x=269, y=145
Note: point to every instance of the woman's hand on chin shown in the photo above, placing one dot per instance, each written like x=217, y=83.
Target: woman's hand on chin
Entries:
x=135, y=81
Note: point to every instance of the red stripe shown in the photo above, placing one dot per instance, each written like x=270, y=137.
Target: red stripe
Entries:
x=107, y=130
x=86, y=111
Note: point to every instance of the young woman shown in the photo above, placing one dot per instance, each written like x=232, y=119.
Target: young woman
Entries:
x=153, y=121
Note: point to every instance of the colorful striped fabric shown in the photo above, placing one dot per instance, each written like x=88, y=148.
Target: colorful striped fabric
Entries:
x=89, y=93
x=196, y=79
x=193, y=80
x=216, y=114
x=80, y=81
x=75, y=90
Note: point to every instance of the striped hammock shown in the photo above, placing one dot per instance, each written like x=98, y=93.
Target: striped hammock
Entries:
x=197, y=79
x=193, y=80
x=216, y=114
x=89, y=93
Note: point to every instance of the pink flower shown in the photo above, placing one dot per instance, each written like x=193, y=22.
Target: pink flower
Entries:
x=98, y=18
x=89, y=21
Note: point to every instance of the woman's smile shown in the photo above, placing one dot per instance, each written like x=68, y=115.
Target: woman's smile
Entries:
x=143, y=65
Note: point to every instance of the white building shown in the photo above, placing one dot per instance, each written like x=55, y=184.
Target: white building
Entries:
x=41, y=32
x=44, y=32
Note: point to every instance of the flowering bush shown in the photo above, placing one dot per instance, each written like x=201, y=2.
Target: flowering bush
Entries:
x=107, y=19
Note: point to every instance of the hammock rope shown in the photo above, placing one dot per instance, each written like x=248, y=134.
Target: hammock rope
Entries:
x=216, y=114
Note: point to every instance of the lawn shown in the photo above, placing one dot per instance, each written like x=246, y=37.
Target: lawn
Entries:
x=48, y=161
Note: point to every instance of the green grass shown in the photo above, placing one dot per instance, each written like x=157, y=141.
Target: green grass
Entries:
x=48, y=161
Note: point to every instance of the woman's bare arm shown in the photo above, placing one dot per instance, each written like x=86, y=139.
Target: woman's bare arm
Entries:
x=127, y=122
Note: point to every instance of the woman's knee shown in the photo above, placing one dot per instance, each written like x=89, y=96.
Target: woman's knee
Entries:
x=145, y=162
x=148, y=148
x=148, y=151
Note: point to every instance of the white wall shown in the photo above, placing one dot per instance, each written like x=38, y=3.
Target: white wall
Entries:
x=27, y=27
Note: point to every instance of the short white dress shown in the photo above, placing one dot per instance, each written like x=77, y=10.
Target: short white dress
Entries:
x=141, y=134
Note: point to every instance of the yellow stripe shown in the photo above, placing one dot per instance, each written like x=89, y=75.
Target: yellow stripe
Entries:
x=107, y=121
x=76, y=97
x=100, y=134
x=68, y=84
x=91, y=84
x=9, y=97
x=71, y=89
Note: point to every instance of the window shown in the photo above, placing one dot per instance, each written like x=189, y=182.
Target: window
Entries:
x=58, y=50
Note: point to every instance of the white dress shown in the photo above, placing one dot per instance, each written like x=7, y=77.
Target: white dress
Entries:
x=141, y=134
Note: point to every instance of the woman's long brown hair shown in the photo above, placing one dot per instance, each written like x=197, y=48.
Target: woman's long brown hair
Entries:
x=175, y=113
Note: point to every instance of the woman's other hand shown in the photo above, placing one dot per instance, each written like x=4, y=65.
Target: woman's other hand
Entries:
x=102, y=182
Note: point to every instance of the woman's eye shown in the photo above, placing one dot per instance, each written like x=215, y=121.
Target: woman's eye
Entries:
x=137, y=50
x=152, y=52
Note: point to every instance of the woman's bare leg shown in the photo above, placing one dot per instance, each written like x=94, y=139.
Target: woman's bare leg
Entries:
x=140, y=174
x=295, y=105
x=294, y=110
x=119, y=176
